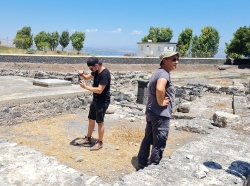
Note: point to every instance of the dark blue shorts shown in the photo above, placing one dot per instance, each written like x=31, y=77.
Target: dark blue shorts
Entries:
x=97, y=111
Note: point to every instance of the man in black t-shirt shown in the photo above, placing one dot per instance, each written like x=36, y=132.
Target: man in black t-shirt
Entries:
x=101, y=99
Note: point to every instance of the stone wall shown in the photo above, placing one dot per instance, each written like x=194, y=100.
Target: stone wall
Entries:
x=31, y=109
x=113, y=60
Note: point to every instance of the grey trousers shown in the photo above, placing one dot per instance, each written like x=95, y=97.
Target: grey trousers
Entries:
x=156, y=134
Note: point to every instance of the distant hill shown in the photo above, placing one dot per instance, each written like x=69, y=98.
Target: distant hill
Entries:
x=108, y=51
x=221, y=53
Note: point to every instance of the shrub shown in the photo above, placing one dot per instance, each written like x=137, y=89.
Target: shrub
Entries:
x=59, y=52
x=127, y=54
x=30, y=51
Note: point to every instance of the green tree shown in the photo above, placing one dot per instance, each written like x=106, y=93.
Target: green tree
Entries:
x=194, y=46
x=165, y=35
x=53, y=40
x=42, y=40
x=207, y=43
x=64, y=39
x=157, y=34
x=77, y=40
x=184, y=41
x=199, y=47
x=24, y=38
x=239, y=46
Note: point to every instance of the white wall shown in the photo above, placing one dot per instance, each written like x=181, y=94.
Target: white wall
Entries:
x=153, y=49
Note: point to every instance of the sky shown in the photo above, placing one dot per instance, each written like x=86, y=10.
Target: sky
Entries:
x=122, y=23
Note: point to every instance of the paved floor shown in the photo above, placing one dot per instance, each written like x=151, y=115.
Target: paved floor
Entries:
x=15, y=87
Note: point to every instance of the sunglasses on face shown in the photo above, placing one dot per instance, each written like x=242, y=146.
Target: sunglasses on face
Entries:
x=175, y=59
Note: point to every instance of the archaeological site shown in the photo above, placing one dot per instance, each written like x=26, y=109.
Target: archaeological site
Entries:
x=43, y=111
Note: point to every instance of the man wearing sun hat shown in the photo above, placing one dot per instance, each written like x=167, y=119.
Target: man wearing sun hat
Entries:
x=161, y=95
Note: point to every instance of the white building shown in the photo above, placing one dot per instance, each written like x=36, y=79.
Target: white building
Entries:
x=153, y=49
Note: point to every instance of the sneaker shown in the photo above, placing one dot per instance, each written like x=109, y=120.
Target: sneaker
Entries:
x=97, y=146
x=84, y=141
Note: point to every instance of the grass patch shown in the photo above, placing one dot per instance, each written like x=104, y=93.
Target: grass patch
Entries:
x=11, y=50
x=224, y=82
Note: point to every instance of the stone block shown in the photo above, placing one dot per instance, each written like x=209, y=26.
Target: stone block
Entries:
x=51, y=82
x=224, y=119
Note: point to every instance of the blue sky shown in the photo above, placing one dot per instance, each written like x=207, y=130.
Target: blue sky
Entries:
x=122, y=23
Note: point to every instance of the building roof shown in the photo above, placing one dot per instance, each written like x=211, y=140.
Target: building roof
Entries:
x=156, y=43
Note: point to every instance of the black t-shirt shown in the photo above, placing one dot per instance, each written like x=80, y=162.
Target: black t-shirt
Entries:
x=103, y=78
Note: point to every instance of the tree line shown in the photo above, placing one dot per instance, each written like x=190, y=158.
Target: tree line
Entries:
x=204, y=45
x=44, y=40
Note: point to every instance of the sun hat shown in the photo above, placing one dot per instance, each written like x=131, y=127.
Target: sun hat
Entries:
x=167, y=53
x=92, y=61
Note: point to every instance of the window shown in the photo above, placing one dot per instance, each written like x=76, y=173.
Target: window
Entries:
x=159, y=48
x=141, y=47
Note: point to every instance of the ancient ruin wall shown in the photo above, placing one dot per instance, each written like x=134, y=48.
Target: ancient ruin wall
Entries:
x=113, y=60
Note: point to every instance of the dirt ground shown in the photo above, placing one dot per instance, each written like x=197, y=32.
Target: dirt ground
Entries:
x=118, y=157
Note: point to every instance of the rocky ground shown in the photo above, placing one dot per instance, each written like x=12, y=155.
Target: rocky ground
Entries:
x=54, y=137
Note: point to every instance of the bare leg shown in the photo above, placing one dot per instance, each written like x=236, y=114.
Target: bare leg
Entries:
x=99, y=143
x=91, y=127
x=100, y=131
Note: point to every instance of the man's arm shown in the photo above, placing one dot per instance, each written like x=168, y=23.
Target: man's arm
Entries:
x=97, y=90
x=161, y=91
x=83, y=76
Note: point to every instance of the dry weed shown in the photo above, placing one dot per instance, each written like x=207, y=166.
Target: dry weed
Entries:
x=217, y=104
x=225, y=82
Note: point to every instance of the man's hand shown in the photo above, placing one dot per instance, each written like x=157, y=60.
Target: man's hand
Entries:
x=81, y=72
x=165, y=101
x=83, y=84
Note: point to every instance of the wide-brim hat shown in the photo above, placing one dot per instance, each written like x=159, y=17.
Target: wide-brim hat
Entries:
x=167, y=53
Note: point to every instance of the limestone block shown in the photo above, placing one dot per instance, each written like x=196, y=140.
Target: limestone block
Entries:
x=184, y=108
x=224, y=119
x=199, y=174
x=111, y=109
x=186, y=97
x=51, y=82
x=41, y=75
